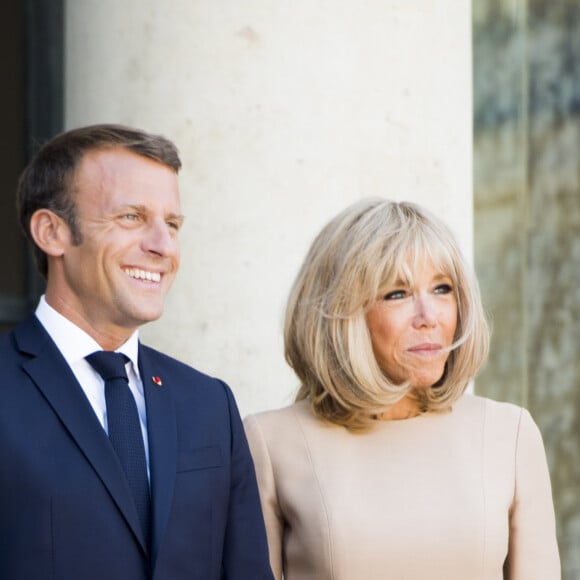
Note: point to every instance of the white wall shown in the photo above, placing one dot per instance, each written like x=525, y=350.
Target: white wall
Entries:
x=284, y=113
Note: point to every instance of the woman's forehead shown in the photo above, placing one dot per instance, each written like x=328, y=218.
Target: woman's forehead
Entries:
x=417, y=260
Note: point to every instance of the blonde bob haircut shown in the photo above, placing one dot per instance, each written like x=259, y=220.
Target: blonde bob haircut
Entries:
x=351, y=264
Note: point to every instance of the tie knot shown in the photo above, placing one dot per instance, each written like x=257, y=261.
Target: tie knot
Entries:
x=110, y=365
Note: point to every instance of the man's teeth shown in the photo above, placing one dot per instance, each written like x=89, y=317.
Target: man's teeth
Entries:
x=144, y=275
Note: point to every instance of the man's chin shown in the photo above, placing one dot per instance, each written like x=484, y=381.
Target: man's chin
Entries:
x=144, y=315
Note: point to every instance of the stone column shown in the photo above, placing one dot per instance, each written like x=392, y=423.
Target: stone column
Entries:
x=527, y=186
x=285, y=112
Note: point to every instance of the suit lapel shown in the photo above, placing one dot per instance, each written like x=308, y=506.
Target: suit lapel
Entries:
x=54, y=378
x=162, y=433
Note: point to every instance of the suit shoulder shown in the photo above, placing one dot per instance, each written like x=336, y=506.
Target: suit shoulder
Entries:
x=6, y=342
x=158, y=358
x=11, y=352
x=183, y=376
x=8, y=357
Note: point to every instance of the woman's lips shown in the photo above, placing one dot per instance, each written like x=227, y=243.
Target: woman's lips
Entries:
x=427, y=348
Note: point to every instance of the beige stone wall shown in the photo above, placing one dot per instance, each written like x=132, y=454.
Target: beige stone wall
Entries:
x=527, y=226
x=285, y=112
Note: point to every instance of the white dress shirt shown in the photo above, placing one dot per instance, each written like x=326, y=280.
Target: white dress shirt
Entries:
x=75, y=344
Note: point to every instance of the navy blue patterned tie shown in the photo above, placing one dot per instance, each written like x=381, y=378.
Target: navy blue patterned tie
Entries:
x=125, y=428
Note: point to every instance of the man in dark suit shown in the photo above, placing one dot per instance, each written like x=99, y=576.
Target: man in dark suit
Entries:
x=160, y=486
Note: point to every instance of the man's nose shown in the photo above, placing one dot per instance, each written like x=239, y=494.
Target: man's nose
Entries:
x=160, y=239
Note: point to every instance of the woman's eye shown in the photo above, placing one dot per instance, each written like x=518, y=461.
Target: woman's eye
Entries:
x=443, y=289
x=395, y=295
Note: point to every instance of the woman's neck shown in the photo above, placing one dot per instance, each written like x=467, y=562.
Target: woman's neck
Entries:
x=403, y=409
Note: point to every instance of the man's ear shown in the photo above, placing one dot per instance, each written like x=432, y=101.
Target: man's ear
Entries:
x=49, y=231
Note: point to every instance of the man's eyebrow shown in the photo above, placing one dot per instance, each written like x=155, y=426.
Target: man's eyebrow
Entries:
x=133, y=206
x=176, y=216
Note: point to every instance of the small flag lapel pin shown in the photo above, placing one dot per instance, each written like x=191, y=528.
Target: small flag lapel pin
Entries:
x=157, y=381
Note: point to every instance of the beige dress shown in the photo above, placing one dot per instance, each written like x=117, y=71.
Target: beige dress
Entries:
x=463, y=495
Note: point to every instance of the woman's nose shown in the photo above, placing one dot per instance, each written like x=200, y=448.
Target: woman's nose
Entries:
x=425, y=312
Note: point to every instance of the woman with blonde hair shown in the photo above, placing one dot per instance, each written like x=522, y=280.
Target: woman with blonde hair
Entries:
x=384, y=468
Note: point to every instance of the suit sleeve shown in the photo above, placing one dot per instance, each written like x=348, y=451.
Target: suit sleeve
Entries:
x=245, y=546
x=268, y=495
x=533, y=550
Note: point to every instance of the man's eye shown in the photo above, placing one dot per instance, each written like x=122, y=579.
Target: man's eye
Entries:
x=395, y=295
x=131, y=217
x=174, y=225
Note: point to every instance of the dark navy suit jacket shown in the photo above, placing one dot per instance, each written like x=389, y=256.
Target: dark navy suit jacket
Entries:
x=66, y=512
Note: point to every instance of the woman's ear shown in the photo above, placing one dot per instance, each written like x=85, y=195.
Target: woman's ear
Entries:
x=49, y=232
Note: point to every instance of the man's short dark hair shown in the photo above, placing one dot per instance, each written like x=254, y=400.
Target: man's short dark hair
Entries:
x=47, y=180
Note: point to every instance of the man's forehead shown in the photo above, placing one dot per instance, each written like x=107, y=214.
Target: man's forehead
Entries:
x=98, y=166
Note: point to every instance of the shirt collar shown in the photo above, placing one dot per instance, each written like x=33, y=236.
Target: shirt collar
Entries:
x=73, y=342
